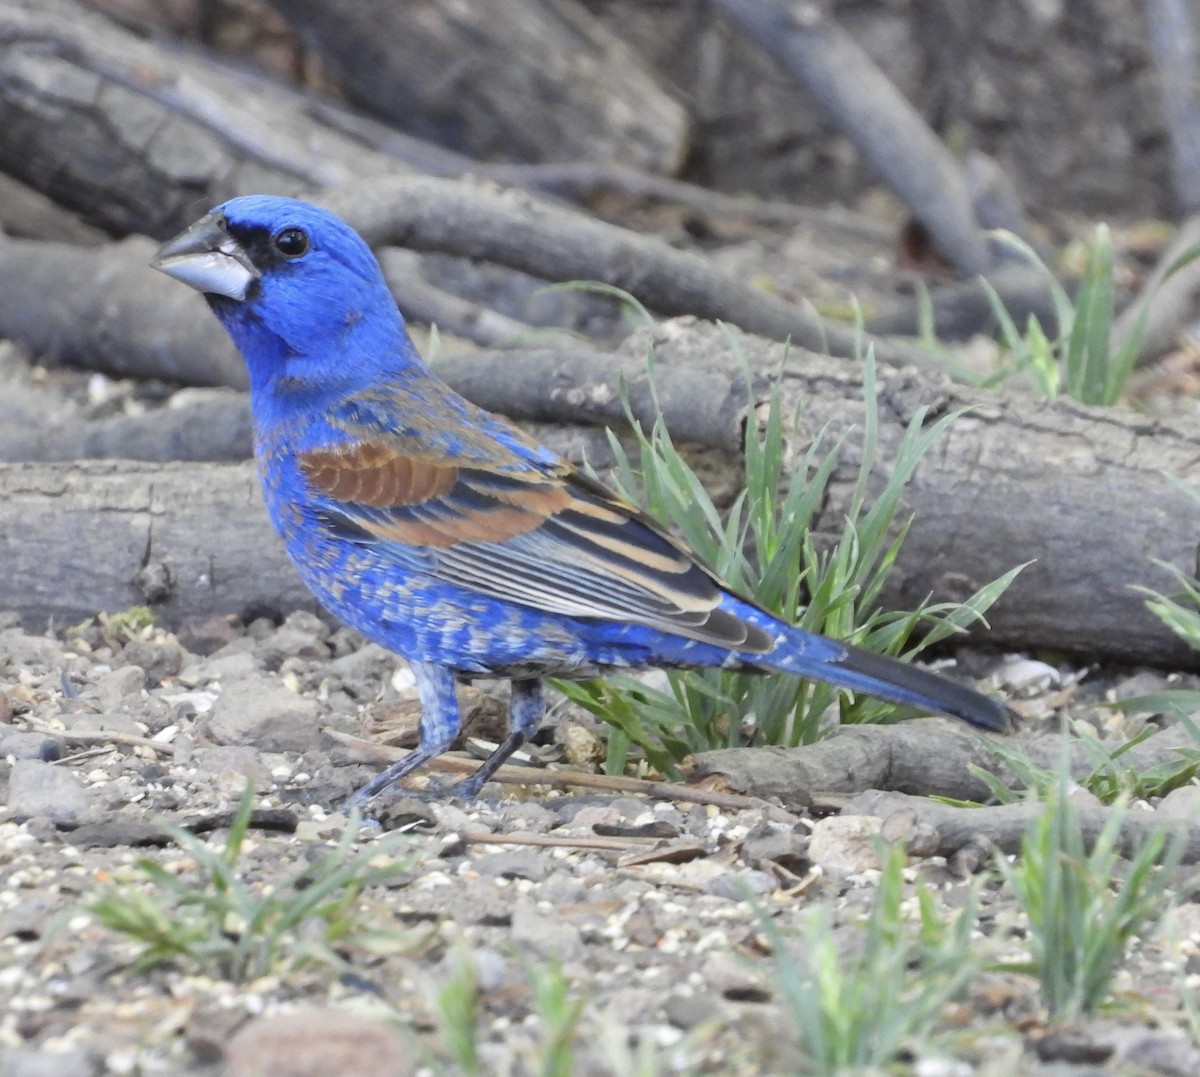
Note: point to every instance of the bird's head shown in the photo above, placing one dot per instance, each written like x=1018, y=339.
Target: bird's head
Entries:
x=298, y=290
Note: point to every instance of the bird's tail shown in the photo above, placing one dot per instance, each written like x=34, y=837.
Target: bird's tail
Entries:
x=847, y=666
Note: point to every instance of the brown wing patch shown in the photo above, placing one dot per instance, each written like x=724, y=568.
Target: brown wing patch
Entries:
x=377, y=477
x=493, y=525
x=432, y=504
x=542, y=496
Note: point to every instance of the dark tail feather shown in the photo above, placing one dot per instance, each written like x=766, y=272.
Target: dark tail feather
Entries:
x=901, y=683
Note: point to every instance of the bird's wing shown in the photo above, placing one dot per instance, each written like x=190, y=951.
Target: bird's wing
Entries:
x=540, y=534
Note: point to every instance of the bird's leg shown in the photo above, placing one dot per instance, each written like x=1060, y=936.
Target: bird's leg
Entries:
x=440, y=723
x=524, y=716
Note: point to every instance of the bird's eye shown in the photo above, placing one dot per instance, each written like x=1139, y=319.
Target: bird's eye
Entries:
x=291, y=242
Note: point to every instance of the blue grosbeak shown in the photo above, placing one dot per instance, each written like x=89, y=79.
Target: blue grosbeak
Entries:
x=445, y=533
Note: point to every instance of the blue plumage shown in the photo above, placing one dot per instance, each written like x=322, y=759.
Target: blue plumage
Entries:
x=443, y=532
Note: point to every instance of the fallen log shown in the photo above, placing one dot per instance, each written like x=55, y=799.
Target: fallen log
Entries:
x=968, y=836
x=522, y=232
x=814, y=50
x=189, y=540
x=930, y=757
x=137, y=135
x=112, y=313
x=215, y=428
x=511, y=80
x=104, y=309
x=1080, y=492
x=1083, y=493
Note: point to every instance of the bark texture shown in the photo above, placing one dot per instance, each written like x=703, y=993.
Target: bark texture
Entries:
x=1083, y=494
x=510, y=80
x=189, y=540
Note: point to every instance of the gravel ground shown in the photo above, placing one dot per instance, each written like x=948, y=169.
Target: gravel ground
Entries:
x=109, y=728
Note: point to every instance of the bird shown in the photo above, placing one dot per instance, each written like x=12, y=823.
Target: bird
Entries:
x=447, y=534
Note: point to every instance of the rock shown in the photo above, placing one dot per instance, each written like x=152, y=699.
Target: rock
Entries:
x=37, y=653
x=29, y=919
x=1180, y=805
x=687, y=1011
x=263, y=712
x=160, y=659
x=451, y=817
x=1028, y=674
x=513, y=864
x=101, y=723
x=737, y=887
x=642, y=928
x=541, y=933
x=527, y=816
x=37, y=788
x=210, y=1029
x=1165, y=1051
x=117, y=831
x=1082, y=1045
x=365, y=670
x=260, y=628
x=225, y=667
x=1145, y=682
x=152, y=712
x=493, y=970
x=587, y=817
x=630, y=1005
x=232, y=764
x=317, y=1042
x=20, y=744
x=767, y=844
x=210, y=635
x=563, y=889
x=309, y=623
x=940, y=1066
x=582, y=746
x=730, y=976
x=291, y=641
x=27, y=1062
x=844, y=844
x=115, y=686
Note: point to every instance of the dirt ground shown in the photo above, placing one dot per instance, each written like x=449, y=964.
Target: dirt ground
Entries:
x=642, y=903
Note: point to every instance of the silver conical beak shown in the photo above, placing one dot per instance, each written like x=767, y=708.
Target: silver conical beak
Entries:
x=206, y=257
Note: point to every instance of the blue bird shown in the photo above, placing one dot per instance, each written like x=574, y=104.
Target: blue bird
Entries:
x=445, y=533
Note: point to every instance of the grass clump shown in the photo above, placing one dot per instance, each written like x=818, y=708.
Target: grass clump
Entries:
x=1180, y=611
x=1111, y=779
x=560, y=1047
x=209, y=919
x=764, y=547
x=1082, y=359
x=1083, y=903
x=859, y=1011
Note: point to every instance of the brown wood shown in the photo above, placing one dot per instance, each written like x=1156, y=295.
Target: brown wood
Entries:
x=1081, y=492
x=927, y=756
x=103, y=308
x=508, y=80
x=518, y=230
x=140, y=136
x=812, y=48
x=190, y=540
x=949, y=831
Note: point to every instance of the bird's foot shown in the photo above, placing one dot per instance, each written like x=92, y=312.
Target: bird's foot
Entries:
x=467, y=789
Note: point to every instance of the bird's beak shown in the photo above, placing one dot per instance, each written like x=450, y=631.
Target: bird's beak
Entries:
x=208, y=258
